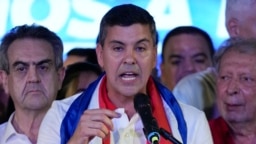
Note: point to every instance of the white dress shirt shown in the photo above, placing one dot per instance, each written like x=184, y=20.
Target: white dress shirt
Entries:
x=8, y=134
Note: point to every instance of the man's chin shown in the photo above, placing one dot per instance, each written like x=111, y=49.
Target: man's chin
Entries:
x=235, y=118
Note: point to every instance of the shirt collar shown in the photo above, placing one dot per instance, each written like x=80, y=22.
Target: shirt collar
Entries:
x=9, y=131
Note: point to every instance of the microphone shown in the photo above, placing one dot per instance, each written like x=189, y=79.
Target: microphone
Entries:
x=143, y=107
x=168, y=136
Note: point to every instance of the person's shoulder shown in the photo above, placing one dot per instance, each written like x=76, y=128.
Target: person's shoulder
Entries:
x=189, y=110
x=206, y=75
x=3, y=127
x=65, y=103
x=194, y=87
x=6, y=125
x=195, y=120
x=197, y=124
x=59, y=108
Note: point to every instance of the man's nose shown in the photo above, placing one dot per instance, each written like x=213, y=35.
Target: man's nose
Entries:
x=189, y=67
x=33, y=75
x=130, y=56
x=233, y=87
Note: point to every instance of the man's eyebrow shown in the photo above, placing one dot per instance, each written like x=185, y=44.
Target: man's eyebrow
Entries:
x=143, y=40
x=200, y=54
x=116, y=41
x=19, y=63
x=174, y=56
x=34, y=63
x=139, y=41
x=43, y=61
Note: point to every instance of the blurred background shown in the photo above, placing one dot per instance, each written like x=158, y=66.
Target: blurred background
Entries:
x=77, y=21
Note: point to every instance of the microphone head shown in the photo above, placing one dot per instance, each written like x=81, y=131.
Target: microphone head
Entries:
x=141, y=101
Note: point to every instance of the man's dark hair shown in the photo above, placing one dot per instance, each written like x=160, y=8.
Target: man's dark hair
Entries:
x=188, y=30
x=126, y=15
x=88, y=53
x=35, y=32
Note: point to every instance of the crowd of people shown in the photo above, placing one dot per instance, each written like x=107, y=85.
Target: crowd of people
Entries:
x=204, y=95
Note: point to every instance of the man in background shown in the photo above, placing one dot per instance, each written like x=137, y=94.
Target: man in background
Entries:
x=186, y=50
x=241, y=18
x=199, y=89
x=236, y=77
x=236, y=92
x=31, y=66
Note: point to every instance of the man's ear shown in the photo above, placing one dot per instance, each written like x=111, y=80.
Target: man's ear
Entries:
x=99, y=52
x=232, y=26
x=4, y=81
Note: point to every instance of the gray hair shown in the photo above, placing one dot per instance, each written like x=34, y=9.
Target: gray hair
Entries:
x=245, y=46
x=237, y=8
x=30, y=31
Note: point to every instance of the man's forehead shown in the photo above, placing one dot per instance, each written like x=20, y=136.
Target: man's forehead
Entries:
x=30, y=45
x=134, y=33
x=30, y=53
x=236, y=56
x=186, y=51
x=131, y=29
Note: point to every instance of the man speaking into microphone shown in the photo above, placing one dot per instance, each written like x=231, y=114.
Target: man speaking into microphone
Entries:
x=105, y=113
